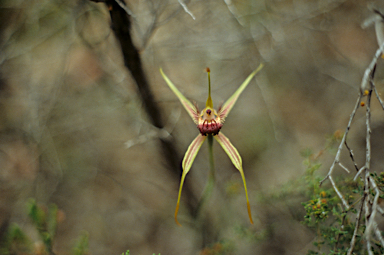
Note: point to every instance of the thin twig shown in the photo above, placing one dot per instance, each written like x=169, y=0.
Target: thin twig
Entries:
x=378, y=233
x=358, y=173
x=155, y=24
x=369, y=216
x=344, y=167
x=338, y=192
x=124, y=7
x=367, y=211
x=372, y=220
x=186, y=9
x=337, y=158
x=339, y=234
x=154, y=132
x=351, y=155
x=368, y=132
x=232, y=8
x=380, y=210
x=369, y=247
x=353, y=240
x=378, y=96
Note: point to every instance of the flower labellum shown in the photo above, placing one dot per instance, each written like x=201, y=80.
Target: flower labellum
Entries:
x=209, y=122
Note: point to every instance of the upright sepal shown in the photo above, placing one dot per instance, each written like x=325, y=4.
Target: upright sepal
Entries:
x=189, y=157
x=235, y=157
x=191, y=109
x=227, y=106
x=209, y=100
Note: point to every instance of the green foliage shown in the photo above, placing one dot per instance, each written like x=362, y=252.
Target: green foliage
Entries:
x=333, y=226
x=15, y=242
x=248, y=234
x=45, y=221
x=219, y=248
x=325, y=215
x=82, y=244
x=127, y=253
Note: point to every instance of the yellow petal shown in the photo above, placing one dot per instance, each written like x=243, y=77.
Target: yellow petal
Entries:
x=235, y=157
x=227, y=106
x=191, y=109
x=189, y=157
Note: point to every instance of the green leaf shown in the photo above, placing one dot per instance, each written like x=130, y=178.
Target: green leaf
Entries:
x=36, y=214
x=191, y=109
x=82, y=245
x=235, y=157
x=52, y=220
x=227, y=106
x=189, y=157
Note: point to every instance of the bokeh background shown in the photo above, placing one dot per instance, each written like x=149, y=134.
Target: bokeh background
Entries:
x=74, y=130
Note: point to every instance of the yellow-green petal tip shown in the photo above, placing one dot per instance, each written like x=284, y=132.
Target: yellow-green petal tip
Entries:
x=176, y=211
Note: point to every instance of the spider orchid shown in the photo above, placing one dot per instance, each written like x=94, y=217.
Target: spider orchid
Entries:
x=209, y=122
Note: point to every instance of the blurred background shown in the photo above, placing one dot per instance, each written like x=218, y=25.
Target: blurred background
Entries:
x=76, y=131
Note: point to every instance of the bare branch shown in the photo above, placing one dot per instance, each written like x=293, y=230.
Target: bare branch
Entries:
x=369, y=202
x=368, y=133
x=367, y=211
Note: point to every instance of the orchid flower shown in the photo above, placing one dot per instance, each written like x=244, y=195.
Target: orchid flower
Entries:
x=209, y=122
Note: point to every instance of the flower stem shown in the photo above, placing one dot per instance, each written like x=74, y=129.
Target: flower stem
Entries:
x=211, y=160
x=211, y=178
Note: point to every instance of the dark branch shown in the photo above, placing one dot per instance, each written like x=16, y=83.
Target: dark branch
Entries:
x=121, y=26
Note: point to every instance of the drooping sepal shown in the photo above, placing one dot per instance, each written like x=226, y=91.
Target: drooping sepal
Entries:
x=228, y=105
x=189, y=157
x=191, y=109
x=235, y=157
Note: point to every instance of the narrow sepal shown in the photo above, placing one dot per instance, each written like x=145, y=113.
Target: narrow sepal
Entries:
x=235, y=157
x=191, y=109
x=227, y=106
x=189, y=157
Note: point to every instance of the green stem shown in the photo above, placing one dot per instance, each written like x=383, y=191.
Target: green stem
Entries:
x=211, y=177
x=211, y=160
